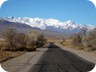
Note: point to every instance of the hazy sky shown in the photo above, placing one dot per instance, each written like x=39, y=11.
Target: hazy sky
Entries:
x=79, y=11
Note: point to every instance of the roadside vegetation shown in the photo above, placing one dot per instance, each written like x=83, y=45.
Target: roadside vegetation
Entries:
x=84, y=40
x=15, y=43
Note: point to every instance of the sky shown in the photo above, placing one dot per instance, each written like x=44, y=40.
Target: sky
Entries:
x=79, y=11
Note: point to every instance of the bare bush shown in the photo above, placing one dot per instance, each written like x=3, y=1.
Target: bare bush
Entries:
x=85, y=38
x=9, y=36
x=20, y=40
x=77, y=39
x=31, y=39
x=35, y=40
x=41, y=40
x=89, y=40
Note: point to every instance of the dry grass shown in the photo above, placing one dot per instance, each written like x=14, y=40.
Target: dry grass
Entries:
x=2, y=44
x=69, y=44
x=6, y=55
x=54, y=39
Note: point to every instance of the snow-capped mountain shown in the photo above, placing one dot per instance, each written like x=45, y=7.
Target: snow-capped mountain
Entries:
x=48, y=24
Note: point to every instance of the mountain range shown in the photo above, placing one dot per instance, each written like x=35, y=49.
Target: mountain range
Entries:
x=52, y=25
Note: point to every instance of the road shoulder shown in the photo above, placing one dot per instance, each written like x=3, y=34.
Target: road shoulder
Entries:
x=90, y=56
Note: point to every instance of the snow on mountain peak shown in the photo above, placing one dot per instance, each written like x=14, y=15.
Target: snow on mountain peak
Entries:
x=46, y=24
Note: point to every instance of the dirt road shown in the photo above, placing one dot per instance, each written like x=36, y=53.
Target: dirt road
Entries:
x=51, y=59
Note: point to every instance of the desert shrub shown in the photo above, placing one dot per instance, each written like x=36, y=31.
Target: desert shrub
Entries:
x=41, y=40
x=85, y=38
x=9, y=36
x=89, y=40
x=77, y=39
x=20, y=40
x=32, y=39
x=1, y=45
x=14, y=41
x=35, y=39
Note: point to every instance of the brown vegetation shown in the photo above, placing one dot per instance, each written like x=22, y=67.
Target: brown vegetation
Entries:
x=6, y=55
x=85, y=40
x=16, y=43
x=41, y=41
x=23, y=42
